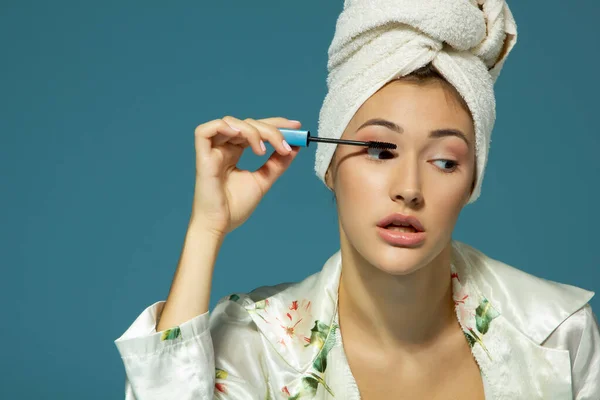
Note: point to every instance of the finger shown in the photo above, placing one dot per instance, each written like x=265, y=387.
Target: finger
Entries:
x=248, y=131
x=272, y=134
x=281, y=122
x=213, y=131
x=273, y=168
x=214, y=127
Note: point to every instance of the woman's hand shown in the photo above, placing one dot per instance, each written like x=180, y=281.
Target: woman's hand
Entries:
x=224, y=195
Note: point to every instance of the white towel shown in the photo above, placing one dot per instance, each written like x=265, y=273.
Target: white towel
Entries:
x=376, y=41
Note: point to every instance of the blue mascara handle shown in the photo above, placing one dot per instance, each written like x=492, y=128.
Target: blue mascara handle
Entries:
x=296, y=137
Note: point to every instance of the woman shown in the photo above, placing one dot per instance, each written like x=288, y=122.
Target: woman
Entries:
x=421, y=315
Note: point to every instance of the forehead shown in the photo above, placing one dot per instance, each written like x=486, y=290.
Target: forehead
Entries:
x=429, y=105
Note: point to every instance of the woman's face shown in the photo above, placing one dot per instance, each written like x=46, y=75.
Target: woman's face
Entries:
x=428, y=176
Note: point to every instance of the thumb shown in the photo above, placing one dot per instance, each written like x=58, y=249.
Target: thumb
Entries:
x=273, y=168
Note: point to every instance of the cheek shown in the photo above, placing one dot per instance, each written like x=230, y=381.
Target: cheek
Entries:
x=448, y=192
x=358, y=177
x=446, y=202
x=357, y=185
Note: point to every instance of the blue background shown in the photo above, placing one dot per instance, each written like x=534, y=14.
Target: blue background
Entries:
x=98, y=107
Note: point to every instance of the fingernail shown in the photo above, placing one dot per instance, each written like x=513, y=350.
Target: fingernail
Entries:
x=287, y=146
x=262, y=146
x=234, y=128
x=293, y=120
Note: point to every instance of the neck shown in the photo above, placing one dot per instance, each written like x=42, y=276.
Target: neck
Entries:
x=396, y=312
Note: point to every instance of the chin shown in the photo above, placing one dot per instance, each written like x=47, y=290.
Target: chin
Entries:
x=394, y=259
x=400, y=260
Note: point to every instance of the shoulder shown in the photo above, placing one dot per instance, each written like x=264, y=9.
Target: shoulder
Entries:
x=236, y=307
x=580, y=328
x=534, y=305
x=240, y=320
x=240, y=305
x=580, y=336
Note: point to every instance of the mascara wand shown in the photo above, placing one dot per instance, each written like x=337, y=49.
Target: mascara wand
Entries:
x=302, y=138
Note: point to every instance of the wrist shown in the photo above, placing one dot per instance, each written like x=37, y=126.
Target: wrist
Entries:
x=198, y=227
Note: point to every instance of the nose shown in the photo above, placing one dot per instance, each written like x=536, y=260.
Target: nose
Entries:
x=406, y=184
x=411, y=197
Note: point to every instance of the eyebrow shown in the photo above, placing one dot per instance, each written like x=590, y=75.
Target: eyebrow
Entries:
x=435, y=134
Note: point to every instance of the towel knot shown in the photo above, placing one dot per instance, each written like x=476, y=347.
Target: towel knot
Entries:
x=482, y=27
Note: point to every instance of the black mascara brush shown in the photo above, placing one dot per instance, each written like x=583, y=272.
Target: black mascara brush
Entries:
x=302, y=138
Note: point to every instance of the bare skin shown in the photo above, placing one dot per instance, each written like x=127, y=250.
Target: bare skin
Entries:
x=396, y=312
x=441, y=368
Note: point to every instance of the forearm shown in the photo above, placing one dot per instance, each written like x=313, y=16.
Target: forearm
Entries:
x=189, y=295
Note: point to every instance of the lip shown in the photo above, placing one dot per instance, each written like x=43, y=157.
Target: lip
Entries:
x=404, y=239
x=401, y=219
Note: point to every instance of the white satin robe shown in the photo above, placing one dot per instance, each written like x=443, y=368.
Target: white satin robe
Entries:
x=532, y=339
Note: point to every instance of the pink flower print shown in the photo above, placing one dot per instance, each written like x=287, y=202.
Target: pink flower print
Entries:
x=454, y=275
x=459, y=293
x=294, y=323
x=220, y=387
x=466, y=316
x=460, y=297
x=285, y=391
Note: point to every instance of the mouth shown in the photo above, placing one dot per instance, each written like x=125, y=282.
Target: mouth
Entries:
x=401, y=223
x=401, y=228
x=401, y=231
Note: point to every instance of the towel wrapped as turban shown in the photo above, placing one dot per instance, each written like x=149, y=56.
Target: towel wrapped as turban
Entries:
x=377, y=41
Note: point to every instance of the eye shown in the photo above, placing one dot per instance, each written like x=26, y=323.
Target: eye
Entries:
x=447, y=165
x=379, y=154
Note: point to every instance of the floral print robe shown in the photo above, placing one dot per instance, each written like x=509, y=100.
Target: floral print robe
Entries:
x=532, y=339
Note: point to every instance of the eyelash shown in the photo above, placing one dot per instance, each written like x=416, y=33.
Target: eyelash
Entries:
x=441, y=170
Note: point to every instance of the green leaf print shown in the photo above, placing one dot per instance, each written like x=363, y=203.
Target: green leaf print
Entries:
x=470, y=339
x=322, y=382
x=320, y=363
x=308, y=389
x=318, y=334
x=261, y=305
x=477, y=339
x=330, y=342
x=323, y=337
x=220, y=373
x=310, y=384
x=171, y=334
x=484, y=314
